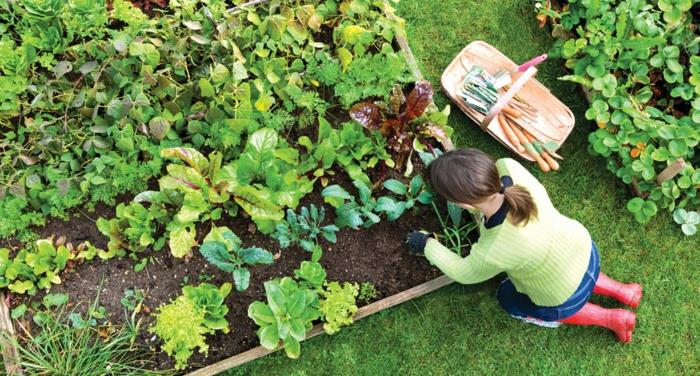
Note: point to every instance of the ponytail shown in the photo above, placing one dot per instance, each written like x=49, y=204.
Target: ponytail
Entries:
x=520, y=204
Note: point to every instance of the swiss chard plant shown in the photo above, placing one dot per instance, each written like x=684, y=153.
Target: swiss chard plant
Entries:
x=184, y=323
x=224, y=249
x=305, y=229
x=348, y=147
x=401, y=121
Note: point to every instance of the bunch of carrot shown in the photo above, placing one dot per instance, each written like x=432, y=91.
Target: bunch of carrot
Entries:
x=511, y=119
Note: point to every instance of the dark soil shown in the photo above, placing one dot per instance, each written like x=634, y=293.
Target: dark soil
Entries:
x=377, y=255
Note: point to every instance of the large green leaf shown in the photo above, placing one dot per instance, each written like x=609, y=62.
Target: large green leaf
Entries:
x=257, y=204
x=261, y=313
x=192, y=157
x=215, y=253
x=276, y=298
x=256, y=255
x=182, y=239
x=292, y=347
x=296, y=303
x=269, y=337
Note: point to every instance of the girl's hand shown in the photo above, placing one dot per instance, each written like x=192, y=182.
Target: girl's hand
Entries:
x=416, y=242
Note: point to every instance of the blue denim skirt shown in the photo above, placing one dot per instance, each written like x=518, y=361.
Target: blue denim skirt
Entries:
x=519, y=305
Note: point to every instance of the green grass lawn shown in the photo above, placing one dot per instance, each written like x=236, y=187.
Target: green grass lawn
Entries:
x=460, y=330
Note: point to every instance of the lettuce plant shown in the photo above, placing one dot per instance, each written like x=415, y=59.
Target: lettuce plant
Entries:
x=184, y=323
x=33, y=268
x=338, y=305
x=287, y=316
x=224, y=249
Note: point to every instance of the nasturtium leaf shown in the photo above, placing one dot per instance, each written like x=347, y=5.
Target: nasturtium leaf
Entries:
x=18, y=311
x=219, y=73
x=264, y=102
x=205, y=88
x=239, y=71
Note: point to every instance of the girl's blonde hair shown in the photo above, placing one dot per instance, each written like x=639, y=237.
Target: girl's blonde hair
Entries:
x=469, y=176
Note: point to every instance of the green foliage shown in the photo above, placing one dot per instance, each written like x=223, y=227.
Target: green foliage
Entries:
x=348, y=211
x=456, y=231
x=133, y=229
x=62, y=348
x=311, y=274
x=304, y=229
x=338, y=305
x=183, y=323
x=368, y=292
x=408, y=194
x=348, y=147
x=224, y=249
x=287, y=316
x=35, y=268
x=644, y=75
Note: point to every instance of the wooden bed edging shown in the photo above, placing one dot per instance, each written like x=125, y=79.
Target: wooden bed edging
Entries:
x=363, y=312
x=10, y=354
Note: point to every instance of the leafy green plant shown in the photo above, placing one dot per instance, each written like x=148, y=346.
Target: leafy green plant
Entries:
x=396, y=128
x=409, y=195
x=304, y=228
x=287, y=316
x=134, y=228
x=368, y=292
x=37, y=267
x=348, y=211
x=338, y=305
x=184, y=323
x=311, y=274
x=689, y=220
x=640, y=61
x=224, y=249
x=348, y=147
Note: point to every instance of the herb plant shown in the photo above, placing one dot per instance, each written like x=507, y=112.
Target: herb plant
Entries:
x=368, y=292
x=223, y=249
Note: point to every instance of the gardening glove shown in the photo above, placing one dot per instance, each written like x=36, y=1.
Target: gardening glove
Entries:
x=416, y=241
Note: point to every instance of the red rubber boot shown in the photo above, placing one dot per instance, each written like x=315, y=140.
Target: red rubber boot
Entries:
x=620, y=321
x=626, y=293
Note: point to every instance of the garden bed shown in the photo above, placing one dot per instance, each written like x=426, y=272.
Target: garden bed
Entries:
x=376, y=255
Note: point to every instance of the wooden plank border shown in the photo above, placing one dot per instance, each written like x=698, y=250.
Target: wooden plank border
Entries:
x=363, y=312
x=10, y=354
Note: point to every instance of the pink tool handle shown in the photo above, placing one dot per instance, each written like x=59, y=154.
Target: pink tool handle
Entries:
x=505, y=98
x=532, y=63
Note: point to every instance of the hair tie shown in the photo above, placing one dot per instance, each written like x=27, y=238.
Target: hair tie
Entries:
x=502, y=190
